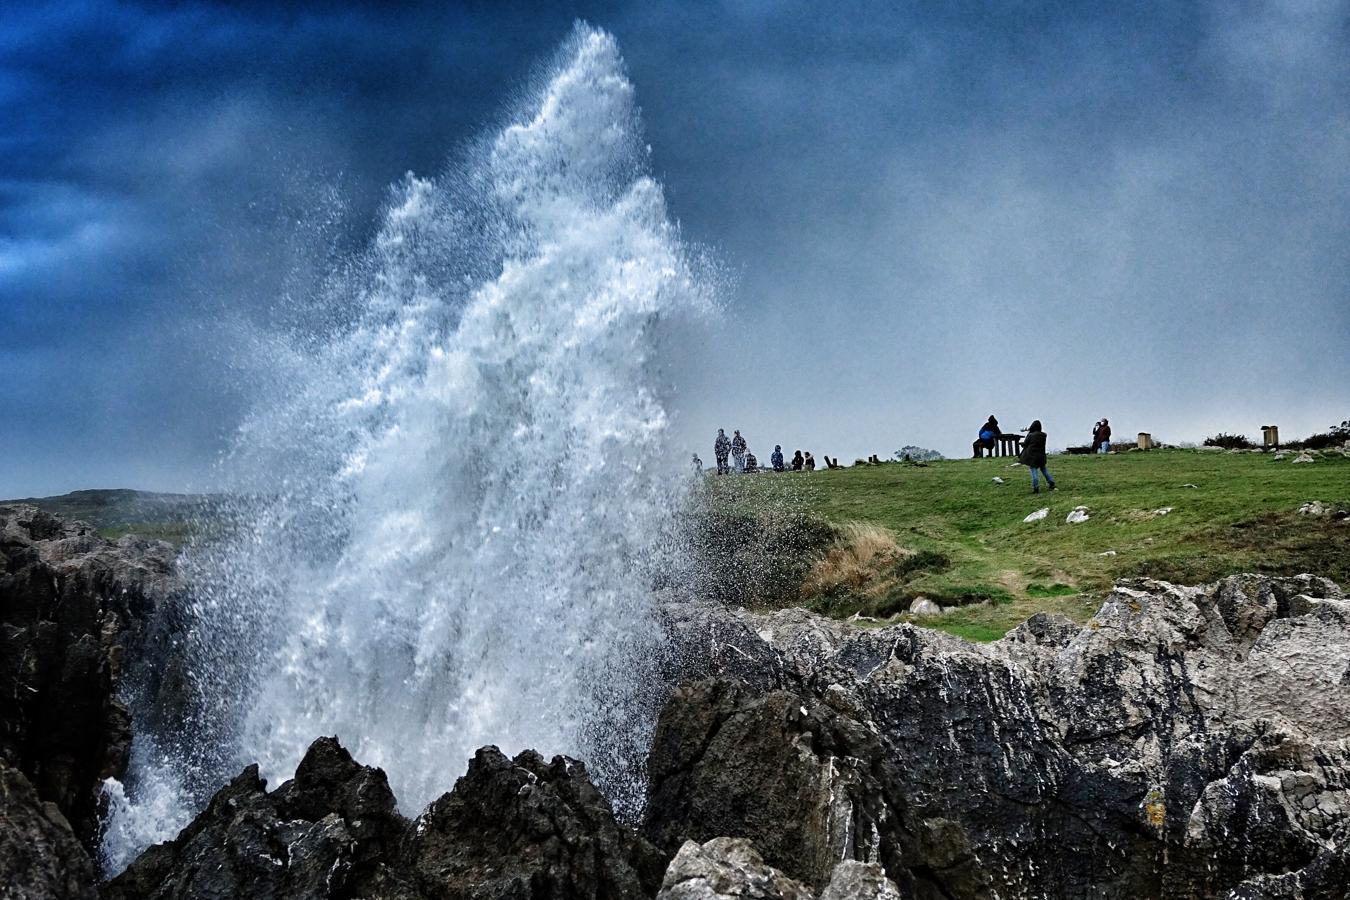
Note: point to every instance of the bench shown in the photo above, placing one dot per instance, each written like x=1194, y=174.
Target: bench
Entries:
x=1004, y=445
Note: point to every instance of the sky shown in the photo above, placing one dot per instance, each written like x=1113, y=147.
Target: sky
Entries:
x=930, y=212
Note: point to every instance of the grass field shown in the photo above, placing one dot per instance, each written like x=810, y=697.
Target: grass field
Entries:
x=960, y=538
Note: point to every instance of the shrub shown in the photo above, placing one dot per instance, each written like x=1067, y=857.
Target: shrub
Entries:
x=1332, y=437
x=1230, y=441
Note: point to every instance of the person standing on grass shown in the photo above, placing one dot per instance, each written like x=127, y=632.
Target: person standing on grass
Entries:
x=738, y=452
x=776, y=458
x=1104, y=436
x=1033, y=457
x=721, y=447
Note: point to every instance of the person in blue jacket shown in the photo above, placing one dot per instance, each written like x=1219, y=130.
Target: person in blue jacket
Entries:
x=988, y=439
x=776, y=458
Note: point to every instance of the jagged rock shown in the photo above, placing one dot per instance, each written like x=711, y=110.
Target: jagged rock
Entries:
x=330, y=831
x=40, y=857
x=726, y=869
x=798, y=779
x=73, y=607
x=527, y=828
x=1038, y=515
x=1077, y=515
x=853, y=880
x=521, y=828
x=1184, y=742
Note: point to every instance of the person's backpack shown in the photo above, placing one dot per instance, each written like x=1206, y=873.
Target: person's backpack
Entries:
x=986, y=435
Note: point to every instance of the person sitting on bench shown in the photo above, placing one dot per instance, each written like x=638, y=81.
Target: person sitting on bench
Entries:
x=988, y=439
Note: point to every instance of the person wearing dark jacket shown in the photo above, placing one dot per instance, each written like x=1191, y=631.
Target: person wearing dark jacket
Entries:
x=1033, y=456
x=988, y=439
x=797, y=461
x=1103, y=436
x=722, y=447
x=776, y=458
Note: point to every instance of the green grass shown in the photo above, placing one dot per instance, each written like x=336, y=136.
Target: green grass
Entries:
x=1240, y=516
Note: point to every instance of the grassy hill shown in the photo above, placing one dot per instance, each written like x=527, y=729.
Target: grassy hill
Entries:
x=949, y=532
x=167, y=517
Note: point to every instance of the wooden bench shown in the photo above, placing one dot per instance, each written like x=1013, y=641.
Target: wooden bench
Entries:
x=1004, y=445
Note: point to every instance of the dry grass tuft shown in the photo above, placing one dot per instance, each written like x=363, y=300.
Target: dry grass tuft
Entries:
x=862, y=563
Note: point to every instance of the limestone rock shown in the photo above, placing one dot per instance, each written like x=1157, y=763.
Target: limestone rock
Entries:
x=1078, y=515
x=1186, y=741
x=1304, y=457
x=853, y=880
x=922, y=606
x=1038, y=515
x=40, y=858
x=726, y=869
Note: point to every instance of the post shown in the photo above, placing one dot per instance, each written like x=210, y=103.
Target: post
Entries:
x=1271, y=435
x=1145, y=441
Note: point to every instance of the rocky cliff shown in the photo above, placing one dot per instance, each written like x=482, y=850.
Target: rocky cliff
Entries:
x=1185, y=742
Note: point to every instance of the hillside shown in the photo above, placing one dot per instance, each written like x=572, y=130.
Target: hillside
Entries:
x=117, y=512
x=948, y=531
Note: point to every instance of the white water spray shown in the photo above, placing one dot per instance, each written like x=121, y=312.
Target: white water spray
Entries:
x=466, y=485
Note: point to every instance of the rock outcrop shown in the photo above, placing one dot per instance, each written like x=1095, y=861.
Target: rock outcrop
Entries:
x=1185, y=742
x=511, y=828
x=40, y=858
x=73, y=607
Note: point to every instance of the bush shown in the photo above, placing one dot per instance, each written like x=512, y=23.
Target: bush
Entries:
x=1230, y=441
x=1333, y=437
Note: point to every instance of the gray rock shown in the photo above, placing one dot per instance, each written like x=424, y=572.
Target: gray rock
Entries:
x=1184, y=742
x=922, y=606
x=853, y=880
x=40, y=857
x=726, y=869
x=511, y=828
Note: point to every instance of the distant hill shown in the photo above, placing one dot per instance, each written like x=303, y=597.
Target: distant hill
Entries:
x=117, y=512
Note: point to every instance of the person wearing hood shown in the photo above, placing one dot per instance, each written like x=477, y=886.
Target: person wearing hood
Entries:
x=797, y=461
x=776, y=458
x=988, y=439
x=722, y=447
x=1034, y=458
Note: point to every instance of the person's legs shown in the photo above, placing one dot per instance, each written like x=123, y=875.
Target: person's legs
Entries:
x=1035, y=485
x=977, y=448
x=739, y=459
x=1050, y=482
x=1106, y=446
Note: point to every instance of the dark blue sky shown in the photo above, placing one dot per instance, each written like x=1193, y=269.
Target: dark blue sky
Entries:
x=935, y=211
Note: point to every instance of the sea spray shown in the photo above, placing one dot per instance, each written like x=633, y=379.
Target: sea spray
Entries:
x=456, y=497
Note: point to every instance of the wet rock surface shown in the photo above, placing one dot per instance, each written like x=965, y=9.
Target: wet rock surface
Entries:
x=511, y=828
x=73, y=609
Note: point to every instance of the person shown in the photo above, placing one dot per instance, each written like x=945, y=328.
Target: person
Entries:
x=1033, y=457
x=721, y=447
x=698, y=465
x=797, y=461
x=1096, y=435
x=738, y=452
x=751, y=464
x=988, y=439
x=776, y=458
x=810, y=462
x=1103, y=437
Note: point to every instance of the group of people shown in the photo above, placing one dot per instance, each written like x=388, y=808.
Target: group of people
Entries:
x=735, y=452
x=1033, y=454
